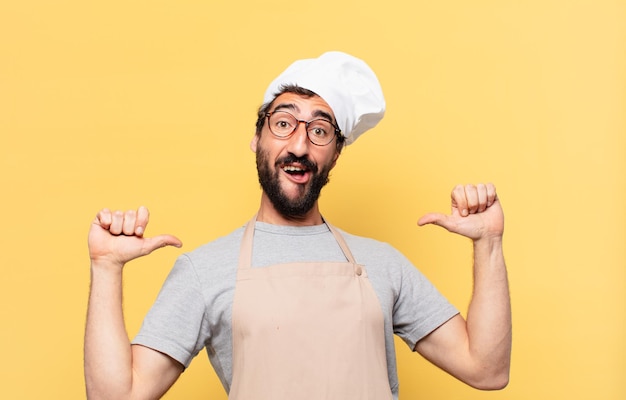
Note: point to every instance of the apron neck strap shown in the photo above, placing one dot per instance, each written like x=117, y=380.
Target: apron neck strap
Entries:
x=245, y=253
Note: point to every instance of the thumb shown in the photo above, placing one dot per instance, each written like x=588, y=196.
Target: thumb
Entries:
x=434, y=219
x=157, y=242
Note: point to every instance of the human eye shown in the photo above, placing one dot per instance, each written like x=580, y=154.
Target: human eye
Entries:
x=282, y=123
x=319, y=128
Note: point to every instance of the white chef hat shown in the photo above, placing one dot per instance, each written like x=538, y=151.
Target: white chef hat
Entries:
x=346, y=83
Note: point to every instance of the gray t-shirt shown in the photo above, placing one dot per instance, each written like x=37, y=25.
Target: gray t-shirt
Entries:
x=193, y=310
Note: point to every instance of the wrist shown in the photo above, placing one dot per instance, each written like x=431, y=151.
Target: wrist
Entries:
x=489, y=244
x=106, y=266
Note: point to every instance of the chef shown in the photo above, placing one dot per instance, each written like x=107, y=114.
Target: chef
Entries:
x=289, y=306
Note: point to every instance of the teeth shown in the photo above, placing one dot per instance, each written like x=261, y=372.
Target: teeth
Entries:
x=290, y=168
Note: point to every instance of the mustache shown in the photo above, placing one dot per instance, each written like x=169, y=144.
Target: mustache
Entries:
x=304, y=161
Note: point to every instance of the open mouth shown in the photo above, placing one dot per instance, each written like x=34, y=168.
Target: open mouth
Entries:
x=294, y=170
x=298, y=169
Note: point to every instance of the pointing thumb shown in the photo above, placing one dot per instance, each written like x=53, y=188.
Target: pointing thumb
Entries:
x=160, y=241
x=433, y=218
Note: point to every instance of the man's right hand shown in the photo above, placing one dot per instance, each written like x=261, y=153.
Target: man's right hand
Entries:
x=116, y=237
x=113, y=368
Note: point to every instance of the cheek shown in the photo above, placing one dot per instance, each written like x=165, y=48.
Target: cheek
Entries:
x=332, y=161
x=266, y=151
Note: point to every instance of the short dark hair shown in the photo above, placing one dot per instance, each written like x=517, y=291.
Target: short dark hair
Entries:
x=295, y=89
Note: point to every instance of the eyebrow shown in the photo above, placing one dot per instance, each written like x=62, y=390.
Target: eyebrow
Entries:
x=323, y=114
x=289, y=106
x=293, y=107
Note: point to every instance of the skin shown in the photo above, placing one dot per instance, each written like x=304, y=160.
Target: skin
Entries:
x=298, y=145
x=476, y=350
x=113, y=368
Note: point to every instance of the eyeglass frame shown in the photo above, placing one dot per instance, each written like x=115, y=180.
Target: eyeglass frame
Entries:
x=306, y=127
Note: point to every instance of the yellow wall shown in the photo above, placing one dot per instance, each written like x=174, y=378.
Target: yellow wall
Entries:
x=125, y=103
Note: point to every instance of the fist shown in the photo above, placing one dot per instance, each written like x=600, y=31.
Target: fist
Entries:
x=475, y=213
x=116, y=237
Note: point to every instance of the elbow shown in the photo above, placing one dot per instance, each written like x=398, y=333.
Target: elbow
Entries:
x=104, y=393
x=493, y=380
x=496, y=383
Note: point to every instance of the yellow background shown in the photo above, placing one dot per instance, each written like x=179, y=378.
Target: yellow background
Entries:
x=119, y=104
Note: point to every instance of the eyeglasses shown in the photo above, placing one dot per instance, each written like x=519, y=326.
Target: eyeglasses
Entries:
x=320, y=131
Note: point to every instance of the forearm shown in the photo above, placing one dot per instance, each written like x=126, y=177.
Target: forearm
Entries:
x=489, y=313
x=108, y=359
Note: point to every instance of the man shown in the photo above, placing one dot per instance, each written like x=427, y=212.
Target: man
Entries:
x=289, y=307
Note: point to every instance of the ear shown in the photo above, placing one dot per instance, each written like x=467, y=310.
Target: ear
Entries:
x=254, y=142
x=335, y=158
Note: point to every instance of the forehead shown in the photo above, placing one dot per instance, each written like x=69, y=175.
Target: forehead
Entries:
x=304, y=106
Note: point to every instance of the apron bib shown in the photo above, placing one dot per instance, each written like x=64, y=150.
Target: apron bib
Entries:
x=306, y=331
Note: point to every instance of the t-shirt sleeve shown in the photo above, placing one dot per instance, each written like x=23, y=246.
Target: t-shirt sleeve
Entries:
x=419, y=308
x=175, y=325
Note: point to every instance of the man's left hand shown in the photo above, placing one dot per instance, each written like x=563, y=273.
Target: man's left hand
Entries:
x=476, y=213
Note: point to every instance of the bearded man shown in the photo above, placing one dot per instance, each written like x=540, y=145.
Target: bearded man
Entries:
x=288, y=306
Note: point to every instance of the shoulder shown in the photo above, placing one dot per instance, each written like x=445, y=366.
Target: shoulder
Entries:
x=372, y=249
x=218, y=256
x=383, y=261
x=220, y=246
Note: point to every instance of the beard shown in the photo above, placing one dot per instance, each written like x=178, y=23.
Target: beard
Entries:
x=307, y=194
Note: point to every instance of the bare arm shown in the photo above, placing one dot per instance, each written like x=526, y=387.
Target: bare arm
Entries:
x=113, y=368
x=476, y=351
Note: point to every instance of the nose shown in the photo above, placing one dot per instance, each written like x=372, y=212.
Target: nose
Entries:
x=299, y=142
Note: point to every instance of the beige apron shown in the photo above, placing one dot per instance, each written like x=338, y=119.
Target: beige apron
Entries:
x=306, y=331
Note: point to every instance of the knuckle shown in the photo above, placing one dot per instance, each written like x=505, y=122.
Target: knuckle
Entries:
x=458, y=190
